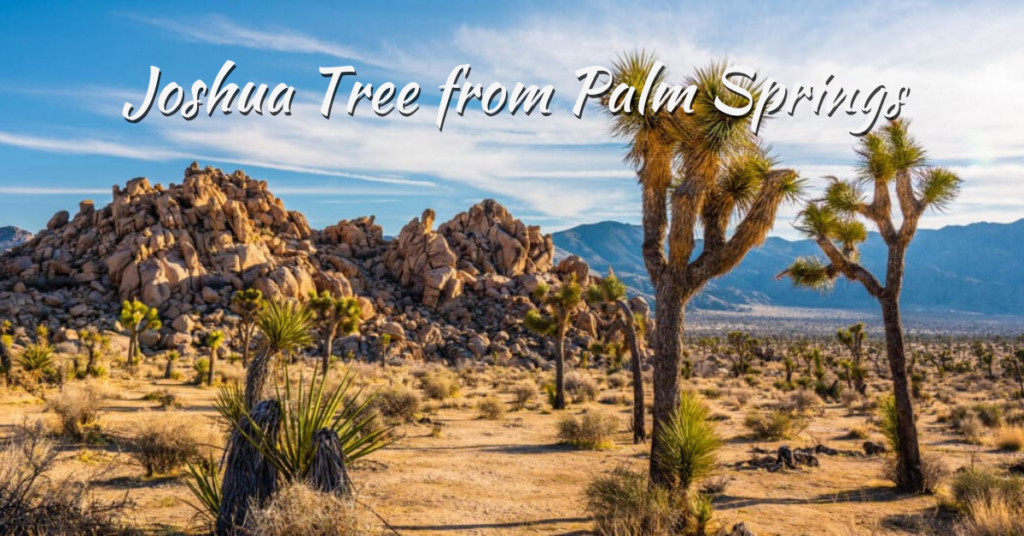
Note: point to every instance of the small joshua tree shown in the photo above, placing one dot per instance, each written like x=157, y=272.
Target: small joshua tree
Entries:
x=247, y=304
x=213, y=341
x=611, y=291
x=285, y=326
x=853, y=339
x=889, y=159
x=137, y=317
x=171, y=357
x=553, y=321
x=334, y=316
x=95, y=344
x=1013, y=364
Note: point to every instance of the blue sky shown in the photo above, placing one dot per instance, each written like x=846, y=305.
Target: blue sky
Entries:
x=68, y=68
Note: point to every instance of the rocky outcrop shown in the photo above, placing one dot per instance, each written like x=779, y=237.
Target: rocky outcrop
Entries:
x=488, y=240
x=455, y=293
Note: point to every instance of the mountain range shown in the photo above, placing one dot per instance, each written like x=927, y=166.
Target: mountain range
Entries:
x=976, y=268
x=13, y=236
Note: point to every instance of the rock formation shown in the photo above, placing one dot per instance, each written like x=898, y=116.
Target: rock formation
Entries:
x=457, y=292
x=12, y=236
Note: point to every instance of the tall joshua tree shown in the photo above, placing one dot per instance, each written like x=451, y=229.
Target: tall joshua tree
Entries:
x=6, y=341
x=137, y=317
x=611, y=291
x=333, y=316
x=560, y=306
x=707, y=170
x=889, y=159
x=247, y=304
x=286, y=326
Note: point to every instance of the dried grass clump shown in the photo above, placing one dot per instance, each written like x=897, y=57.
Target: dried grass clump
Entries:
x=399, y=403
x=491, y=408
x=591, y=431
x=619, y=380
x=933, y=470
x=803, y=401
x=774, y=425
x=165, y=443
x=991, y=503
x=522, y=393
x=78, y=409
x=298, y=509
x=34, y=501
x=581, y=386
x=622, y=503
x=1010, y=438
x=440, y=384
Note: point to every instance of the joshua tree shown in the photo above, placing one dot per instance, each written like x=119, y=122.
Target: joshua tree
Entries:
x=986, y=357
x=723, y=177
x=171, y=357
x=247, y=304
x=1013, y=364
x=213, y=341
x=560, y=305
x=611, y=291
x=95, y=344
x=285, y=326
x=385, y=347
x=137, y=317
x=888, y=158
x=334, y=315
x=853, y=339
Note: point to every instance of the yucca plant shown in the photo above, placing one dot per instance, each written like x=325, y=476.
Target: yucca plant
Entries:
x=36, y=358
x=888, y=421
x=205, y=487
x=230, y=402
x=285, y=326
x=308, y=409
x=689, y=442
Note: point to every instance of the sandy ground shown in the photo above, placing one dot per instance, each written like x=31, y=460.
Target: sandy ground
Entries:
x=512, y=477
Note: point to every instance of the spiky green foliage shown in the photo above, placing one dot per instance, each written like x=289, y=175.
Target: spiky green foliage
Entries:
x=938, y=188
x=888, y=421
x=230, y=402
x=690, y=440
x=308, y=407
x=285, y=326
x=137, y=317
x=204, y=484
x=539, y=323
x=36, y=358
x=810, y=272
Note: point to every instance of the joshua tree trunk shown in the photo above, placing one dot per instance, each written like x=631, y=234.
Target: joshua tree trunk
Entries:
x=909, y=458
x=213, y=362
x=258, y=384
x=670, y=321
x=328, y=350
x=167, y=369
x=5, y=362
x=132, y=343
x=246, y=341
x=249, y=479
x=639, y=427
x=560, y=368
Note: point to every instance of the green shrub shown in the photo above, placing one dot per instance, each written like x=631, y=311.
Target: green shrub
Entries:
x=399, y=403
x=888, y=421
x=440, y=384
x=623, y=503
x=592, y=431
x=165, y=444
x=581, y=386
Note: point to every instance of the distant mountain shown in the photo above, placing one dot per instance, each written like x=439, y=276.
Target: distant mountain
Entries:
x=975, y=268
x=13, y=236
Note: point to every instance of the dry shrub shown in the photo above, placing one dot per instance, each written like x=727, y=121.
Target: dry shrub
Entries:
x=581, y=386
x=440, y=384
x=522, y=393
x=933, y=470
x=618, y=380
x=740, y=397
x=491, y=408
x=165, y=398
x=996, y=518
x=297, y=509
x=34, y=501
x=803, y=401
x=613, y=399
x=991, y=503
x=591, y=431
x=859, y=432
x=166, y=442
x=399, y=403
x=849, y=398
x=774, y=425
x=78, y=409
x=1010, y=438
x=622, y=503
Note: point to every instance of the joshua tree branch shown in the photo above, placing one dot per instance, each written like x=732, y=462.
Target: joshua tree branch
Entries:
x=687, y=198
x=849, y=268
x=655, y=223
